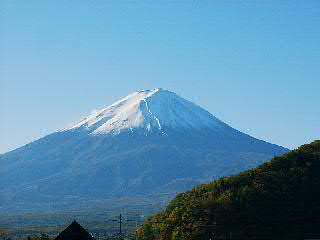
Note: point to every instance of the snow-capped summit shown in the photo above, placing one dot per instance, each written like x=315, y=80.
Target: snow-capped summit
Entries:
x=150, y=110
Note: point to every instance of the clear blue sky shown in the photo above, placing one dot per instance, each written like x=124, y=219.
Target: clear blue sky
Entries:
x=253, y=64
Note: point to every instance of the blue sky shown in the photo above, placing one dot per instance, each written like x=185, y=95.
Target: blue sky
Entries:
x=253, y=64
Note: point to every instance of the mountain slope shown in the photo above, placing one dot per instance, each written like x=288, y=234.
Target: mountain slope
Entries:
x=278, y=200
x=149, y=143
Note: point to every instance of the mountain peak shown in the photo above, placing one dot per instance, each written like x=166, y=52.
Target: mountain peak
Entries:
x=151, y=91
x=150, y=110
x=171, y=145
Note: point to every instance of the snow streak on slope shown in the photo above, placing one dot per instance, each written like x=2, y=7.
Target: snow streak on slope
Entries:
x=150, y=110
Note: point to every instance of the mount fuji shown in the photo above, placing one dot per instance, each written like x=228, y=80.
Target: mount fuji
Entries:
x=150, y=143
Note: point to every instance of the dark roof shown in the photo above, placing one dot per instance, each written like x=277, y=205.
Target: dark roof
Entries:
x=74, y=232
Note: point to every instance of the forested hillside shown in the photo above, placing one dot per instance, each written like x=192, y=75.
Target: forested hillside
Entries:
x=278, y=200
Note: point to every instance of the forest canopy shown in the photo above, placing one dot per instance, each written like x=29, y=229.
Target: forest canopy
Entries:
x=278, y=200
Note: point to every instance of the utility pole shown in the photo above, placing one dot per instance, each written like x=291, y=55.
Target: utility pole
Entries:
x=120, y=220
x=120, y=224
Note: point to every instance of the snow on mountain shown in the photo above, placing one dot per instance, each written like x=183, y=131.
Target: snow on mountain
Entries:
x=150, y=110
x=105, y=156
